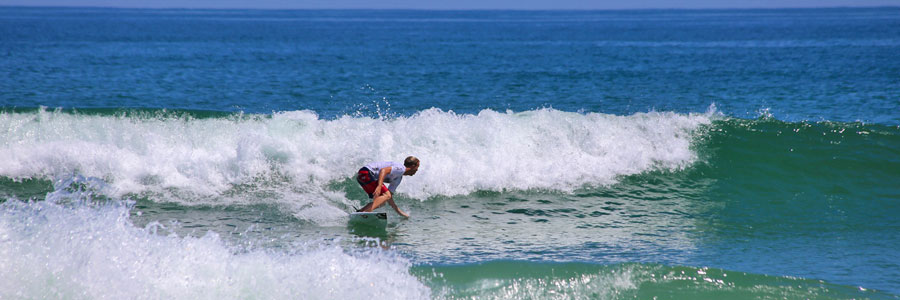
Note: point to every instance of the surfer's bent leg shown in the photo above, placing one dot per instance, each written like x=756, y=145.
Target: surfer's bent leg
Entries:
x=379, y=201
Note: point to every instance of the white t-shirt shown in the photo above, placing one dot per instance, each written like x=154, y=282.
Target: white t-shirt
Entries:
x=393, y=178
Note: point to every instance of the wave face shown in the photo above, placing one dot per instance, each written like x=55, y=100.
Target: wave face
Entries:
x=825, y=177
x=807, y=161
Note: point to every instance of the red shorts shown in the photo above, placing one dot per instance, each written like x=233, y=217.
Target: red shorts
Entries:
x=368, y=182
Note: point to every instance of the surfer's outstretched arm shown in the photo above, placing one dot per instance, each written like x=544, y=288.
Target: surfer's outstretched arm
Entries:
x=394, y=205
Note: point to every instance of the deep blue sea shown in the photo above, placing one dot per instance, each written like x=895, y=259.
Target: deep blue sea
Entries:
x=652, y=154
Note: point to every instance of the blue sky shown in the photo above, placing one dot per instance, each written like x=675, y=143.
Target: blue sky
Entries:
x=452, y=4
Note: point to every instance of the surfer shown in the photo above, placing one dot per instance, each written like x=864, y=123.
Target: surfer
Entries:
x=376, y=174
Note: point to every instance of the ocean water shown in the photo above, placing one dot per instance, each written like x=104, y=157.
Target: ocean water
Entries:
x=209, y=154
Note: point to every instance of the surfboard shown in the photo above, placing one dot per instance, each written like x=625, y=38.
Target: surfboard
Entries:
x=374, y=219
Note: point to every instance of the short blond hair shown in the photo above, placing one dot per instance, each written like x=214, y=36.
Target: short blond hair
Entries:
x=411, y=161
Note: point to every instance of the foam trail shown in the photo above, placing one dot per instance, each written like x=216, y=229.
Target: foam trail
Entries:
x=53, y=251
x=298, y=154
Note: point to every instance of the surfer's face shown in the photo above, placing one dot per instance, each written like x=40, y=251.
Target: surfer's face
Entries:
x=411, y=170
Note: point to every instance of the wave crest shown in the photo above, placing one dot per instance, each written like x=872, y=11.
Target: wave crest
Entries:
x=299, y=151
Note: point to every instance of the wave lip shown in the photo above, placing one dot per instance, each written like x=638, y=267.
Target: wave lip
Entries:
x=544, y=149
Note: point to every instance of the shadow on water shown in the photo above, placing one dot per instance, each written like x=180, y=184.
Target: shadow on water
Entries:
x=368, y=230
x=370, y=237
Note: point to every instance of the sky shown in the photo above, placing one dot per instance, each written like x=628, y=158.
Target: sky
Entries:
x=454, y=4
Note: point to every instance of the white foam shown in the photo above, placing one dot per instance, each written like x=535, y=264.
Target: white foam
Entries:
x=460, y=153
x=616, y=283
x=51, y=251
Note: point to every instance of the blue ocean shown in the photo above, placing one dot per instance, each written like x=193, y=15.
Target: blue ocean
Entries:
x=647, y=154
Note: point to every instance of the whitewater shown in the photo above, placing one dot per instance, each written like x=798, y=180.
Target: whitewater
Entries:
x=195, y=160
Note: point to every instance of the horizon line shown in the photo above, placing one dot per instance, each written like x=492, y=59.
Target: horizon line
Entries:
x=461, y=9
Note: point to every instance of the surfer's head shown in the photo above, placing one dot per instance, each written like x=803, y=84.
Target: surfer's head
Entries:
x=412, y=165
